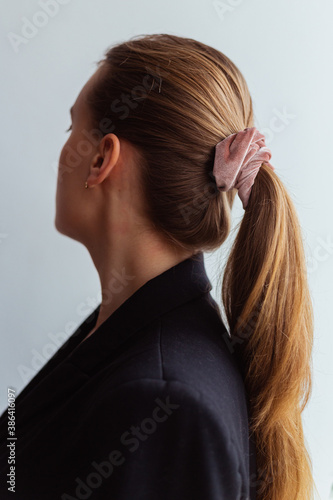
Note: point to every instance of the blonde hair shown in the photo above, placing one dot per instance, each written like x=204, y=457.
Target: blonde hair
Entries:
x=185, y=97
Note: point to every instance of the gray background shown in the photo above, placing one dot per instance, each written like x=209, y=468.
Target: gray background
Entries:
x=48, y=282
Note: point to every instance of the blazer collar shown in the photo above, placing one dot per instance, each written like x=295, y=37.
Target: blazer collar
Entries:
x=177, y=285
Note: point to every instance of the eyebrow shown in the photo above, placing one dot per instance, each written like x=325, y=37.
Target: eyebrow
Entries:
x=71, y=110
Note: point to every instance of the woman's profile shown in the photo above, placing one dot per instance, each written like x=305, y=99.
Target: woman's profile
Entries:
x=153, y=396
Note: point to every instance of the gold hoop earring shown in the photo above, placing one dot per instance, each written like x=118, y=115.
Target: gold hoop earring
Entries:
x=86, y=185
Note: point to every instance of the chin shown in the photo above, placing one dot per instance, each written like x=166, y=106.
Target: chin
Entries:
x=63, y=226
x=59, y=225
x=62, y=220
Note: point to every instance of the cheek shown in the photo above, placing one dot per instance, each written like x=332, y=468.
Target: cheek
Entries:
x=69, y=197
x=68, y=170
x=61, y=163
x=69, y=159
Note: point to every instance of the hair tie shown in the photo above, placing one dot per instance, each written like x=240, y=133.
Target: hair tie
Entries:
x=238, y=159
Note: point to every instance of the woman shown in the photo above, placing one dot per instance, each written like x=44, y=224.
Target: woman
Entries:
x=152, y=397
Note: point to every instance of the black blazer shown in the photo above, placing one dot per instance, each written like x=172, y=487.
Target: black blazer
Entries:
x=151, y=406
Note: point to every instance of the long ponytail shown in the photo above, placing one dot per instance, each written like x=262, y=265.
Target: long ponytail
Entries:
x=269, y=311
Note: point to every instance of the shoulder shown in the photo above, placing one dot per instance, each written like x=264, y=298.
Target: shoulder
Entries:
x=195, y=350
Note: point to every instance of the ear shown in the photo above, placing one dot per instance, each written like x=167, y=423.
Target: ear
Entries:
x=104, y=161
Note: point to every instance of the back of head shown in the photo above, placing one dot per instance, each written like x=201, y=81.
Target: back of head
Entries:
x=174, y=99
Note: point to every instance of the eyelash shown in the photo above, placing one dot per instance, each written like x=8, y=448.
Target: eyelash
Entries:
x=69, y=129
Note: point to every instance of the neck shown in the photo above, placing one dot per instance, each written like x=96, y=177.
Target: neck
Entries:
x=127, y=264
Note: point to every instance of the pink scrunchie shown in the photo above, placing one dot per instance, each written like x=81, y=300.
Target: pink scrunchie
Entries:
x=238, y=159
